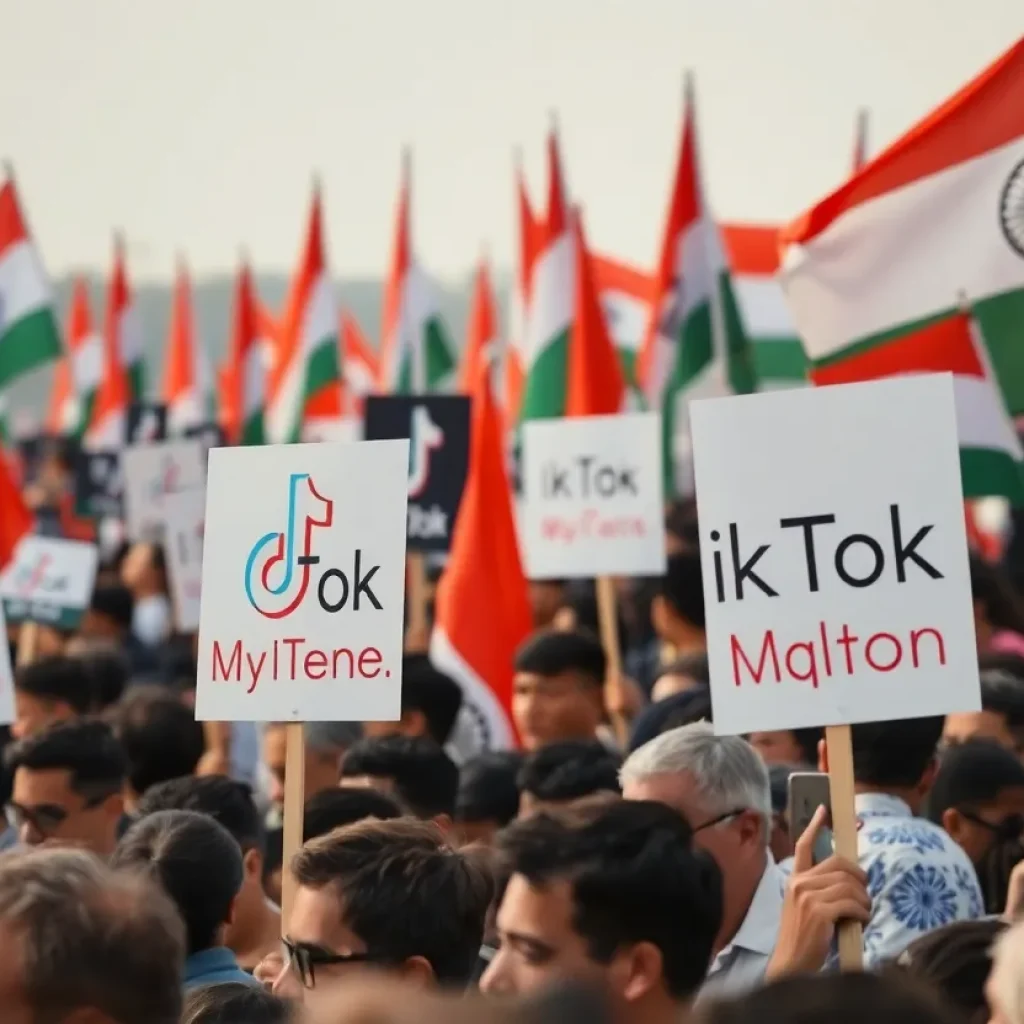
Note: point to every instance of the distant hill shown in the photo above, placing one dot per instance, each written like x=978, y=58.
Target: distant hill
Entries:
x=212, y=299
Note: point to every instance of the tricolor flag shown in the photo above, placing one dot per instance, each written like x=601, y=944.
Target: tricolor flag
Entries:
x=84, y=354
x=29, y=336
x=15, y=518
x=62, y=412
x=123, y=325
x=933, y=222
x=360, y=365
x=245, y=375
x=627, y=295
x=188, y=382
x=416, y=352
x=481, y=330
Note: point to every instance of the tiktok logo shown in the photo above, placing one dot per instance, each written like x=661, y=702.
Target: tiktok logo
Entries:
x=426, y=437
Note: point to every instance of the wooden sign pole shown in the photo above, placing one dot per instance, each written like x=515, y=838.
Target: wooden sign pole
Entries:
x=417, y=627
x=608, y=622
x=28, y=643
x=839, y=744
x=294, y=804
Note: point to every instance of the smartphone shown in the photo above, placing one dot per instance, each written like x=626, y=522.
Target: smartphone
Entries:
x=807, y=792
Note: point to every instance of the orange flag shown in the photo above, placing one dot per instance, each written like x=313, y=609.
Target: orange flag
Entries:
x=15, y=518
x=481, y=332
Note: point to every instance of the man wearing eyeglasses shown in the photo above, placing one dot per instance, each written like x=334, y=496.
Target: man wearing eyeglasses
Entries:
x=68, y=785
x=720, y=786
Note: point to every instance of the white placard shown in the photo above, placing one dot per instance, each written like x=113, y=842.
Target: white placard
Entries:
x=592, y=497
x=151, y=472
x=6, y=675
x=49, y=580
x=834, y=555
x=184, y=516
x=304, y=583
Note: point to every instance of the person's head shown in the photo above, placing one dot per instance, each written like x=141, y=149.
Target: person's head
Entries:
x=670, y=713
x=897, y=758
x=84, y=943
x=546, y=597
x=619, y=898
x=430, y=703
x=196, y=861
x=231, y=804
x=978, y=798
x=955, y=961
x=719, y=784
x=334, y=808
x=326, y=743
x=412, y=768
x=1001, y=717
x=833, y=999
x=558, y=688
x=49, y=691
x=488, y=795
x=787, y=746
x=235, y=1003
x=107, y=669
x=580, y=612
x=144, y=573
x=560, y=773
x=68, y=786
x=996, y=604
x=109, y=615
x=388, y=894
x=685, y=674
x=1004, y=989
x=678, y=610
x=160, y=736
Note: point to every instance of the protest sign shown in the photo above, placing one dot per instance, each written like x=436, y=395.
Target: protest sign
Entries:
x=151, y=472
x=438, y=430
x=303, y=583
x=99, y=485
x=184, y=515
x=834, y=555
x=49, y=581
x=6, y=677
x=592, y=497
x=146, y=423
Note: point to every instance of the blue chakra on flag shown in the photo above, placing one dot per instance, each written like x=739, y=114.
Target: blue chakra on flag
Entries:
x=1011, y=209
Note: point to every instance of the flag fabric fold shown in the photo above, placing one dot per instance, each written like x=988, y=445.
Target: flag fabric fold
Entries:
x=481, y=330
x=188, y=383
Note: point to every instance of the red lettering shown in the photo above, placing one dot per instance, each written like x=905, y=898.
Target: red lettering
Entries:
x=293, y=663
x=767, y=648
x=812, y=664
x=895, y=661
x=845, y=640
x=234, y=665
x=342, y=652
x=916, y=634
x=315, y=662
x=824, y=649
x=373, y=656
x=255, y=668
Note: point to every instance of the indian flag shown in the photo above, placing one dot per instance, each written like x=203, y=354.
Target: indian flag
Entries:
x=626, y=295
x=85, y=354
x=775, y=349
x=123, y=326
x=360, y=363
x=933, y=223
x=990, y=452
x=188, y=381
x=246, y=370
x=309, y=350
x=416, y=352
x=29, y=336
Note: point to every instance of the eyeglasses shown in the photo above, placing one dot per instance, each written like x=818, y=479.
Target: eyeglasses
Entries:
x=1011, y=827
x=305, y=958
x=719, y=820
x=44, y=818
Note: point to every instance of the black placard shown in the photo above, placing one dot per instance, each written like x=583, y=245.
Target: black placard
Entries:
x=99, y=487
x=438, y=429
x=147, y=422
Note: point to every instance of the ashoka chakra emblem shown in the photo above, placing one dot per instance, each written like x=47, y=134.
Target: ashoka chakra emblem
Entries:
x=1011, y=209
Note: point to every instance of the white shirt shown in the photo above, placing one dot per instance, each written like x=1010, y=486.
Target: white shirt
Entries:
x=740, y=965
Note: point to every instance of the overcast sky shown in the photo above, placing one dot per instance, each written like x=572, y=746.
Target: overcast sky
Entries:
x=197, y=124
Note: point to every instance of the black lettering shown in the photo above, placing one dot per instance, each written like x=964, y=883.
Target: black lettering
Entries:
x=605, y=481
x=585, y=462
x=746, y=570
x=363, y=585
x=809, y=523
x=905, y=554
x=321, y=590
x=627, y=480
x=557, y=482
x=876, y=550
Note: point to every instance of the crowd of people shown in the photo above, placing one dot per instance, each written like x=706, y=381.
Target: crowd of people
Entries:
x=625, y=865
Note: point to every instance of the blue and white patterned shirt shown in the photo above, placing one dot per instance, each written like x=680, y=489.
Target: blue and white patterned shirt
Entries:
x=918, y=878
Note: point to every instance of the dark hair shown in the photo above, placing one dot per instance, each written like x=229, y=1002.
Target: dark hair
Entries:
x=488, y=790
x=404, y=891
x=954, y=961
x=197, y=863
x=108, y=673
x=992, y=589
x=566, y=771
x=683, y=588
x=332, y=808
x=670, y=713
x=424, y=776
x=833, y=999
x=973, y=773
x=552, y=652
x=57, y=679
x=1006, y=661
x=160, y=736
x=86, y=749
x=226, y=801
x=807, y=740
x=681, y=522
x=1002, y=693
x=114, y=602
x=582, y=601
x=635, y=877
x=896, y=753
x=437, y=696
x=273, y=853
x=235, y=1003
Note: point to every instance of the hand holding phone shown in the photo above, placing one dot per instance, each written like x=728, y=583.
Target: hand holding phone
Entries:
x=807, y=792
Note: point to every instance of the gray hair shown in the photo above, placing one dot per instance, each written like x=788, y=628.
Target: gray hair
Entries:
x=729, y=772
x=329, y=737
x=90, y=937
